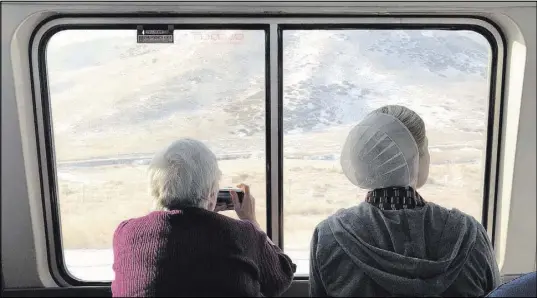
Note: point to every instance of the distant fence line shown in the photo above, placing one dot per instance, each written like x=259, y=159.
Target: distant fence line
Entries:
x=145, y=159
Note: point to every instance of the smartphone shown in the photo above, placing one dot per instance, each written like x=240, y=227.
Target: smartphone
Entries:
x=224, y=197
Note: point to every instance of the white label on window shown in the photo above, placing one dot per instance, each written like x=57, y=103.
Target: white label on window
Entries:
x=155, y=38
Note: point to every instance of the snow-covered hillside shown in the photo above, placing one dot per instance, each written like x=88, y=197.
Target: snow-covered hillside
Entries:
x=107, y=89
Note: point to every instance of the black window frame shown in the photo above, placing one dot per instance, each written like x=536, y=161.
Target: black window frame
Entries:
x=49, y=130
x=444, y=27
x=53, y=234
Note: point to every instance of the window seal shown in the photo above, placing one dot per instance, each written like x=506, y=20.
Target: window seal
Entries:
x=54, y=247
x=55, y=214
x=495, y=101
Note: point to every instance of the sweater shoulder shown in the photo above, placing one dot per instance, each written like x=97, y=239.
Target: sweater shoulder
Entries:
x=151, y=225
x=159, y=224
x=352, y=213
x=222, y=222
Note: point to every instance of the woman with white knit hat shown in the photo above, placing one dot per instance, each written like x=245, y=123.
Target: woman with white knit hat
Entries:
x=394, y=243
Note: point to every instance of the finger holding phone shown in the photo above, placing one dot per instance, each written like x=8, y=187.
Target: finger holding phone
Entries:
x=246, y=209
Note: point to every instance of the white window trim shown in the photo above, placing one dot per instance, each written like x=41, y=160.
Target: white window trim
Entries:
x=33, y=161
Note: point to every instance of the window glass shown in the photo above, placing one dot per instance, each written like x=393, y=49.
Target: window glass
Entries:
x=333, y=78
x=114, y=103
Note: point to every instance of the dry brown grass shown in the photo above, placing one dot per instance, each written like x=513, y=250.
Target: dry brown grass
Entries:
x=91, y=211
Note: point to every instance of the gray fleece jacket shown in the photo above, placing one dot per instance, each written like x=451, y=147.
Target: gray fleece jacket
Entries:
x=427, y=251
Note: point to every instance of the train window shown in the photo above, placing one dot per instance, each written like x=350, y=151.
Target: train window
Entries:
x=332, y=78
x=115, y=102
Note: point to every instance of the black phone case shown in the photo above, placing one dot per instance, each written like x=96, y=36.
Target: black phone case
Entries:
x=224, y=198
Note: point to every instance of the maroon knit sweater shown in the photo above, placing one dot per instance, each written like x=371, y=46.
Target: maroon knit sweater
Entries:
x=195, y=252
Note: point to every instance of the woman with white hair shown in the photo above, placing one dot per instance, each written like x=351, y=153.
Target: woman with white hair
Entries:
x=184, y=248
x=395, y=243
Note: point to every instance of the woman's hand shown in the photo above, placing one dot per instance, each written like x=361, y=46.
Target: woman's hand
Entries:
x=220, y=208
x=246, y=210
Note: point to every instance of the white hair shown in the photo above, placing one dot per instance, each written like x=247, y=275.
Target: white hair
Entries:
x=185, y=174
x=387, y=148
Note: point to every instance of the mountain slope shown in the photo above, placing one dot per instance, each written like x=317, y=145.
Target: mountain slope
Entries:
x=113, y=96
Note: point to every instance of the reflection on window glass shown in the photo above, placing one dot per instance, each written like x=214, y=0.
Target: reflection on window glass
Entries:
x=115, y=103
x=333, y=78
